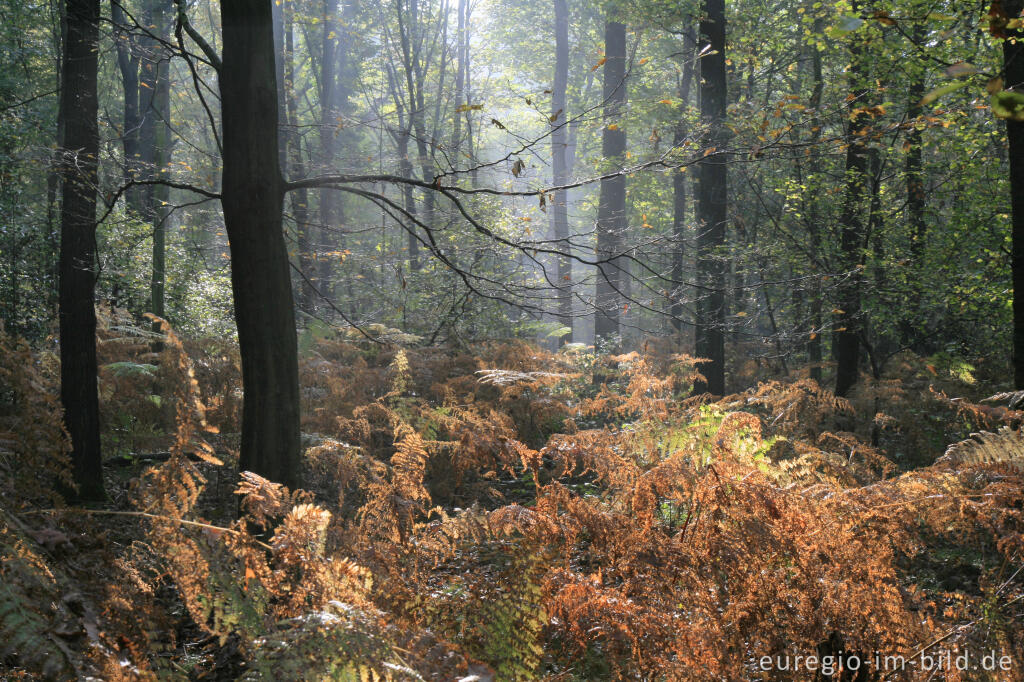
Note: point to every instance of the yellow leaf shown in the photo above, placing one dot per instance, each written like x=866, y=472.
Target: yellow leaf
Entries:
x=613, y=126
x=665, y=101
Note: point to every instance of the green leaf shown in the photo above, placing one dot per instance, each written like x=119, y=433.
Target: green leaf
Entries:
x=942, y=90
x=849, y=24
x=1009, y=105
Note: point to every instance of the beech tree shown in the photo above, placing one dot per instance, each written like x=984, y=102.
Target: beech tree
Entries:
x=1013, y=71
x=252, y=196
x=611, y=212
x=712, y=207
x=78, y=164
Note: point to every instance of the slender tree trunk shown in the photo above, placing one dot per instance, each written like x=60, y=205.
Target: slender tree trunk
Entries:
x=559, y=168
x=329, y=218
x=814, y=355
x=712, y=206
x=680, y=199
x=161, y=114
x=296, y=164
x=406, y=171
x=128, y=64
x=846, y=334
x=77, y=286
x=611, y=211
x=916, y=199
x=253, y=197
x=1013, y=65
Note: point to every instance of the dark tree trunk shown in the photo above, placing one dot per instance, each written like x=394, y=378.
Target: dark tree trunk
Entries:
x=712, y=206
x=1013, y=61
x=611, y=211
x=79, y=107
x=846, y=334
x=252, y=197
x=559, y=168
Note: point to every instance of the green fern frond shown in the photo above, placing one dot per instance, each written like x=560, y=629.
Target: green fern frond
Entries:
x=28, y=594
x=340, y=642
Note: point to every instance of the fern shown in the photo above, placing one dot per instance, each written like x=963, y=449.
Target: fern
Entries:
x=1005, y=446
x=339, y=642
x=28, y=594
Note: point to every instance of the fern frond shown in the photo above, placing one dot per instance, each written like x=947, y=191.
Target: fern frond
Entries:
x=1005, y=446
x=28, y=595
x=1013, y=399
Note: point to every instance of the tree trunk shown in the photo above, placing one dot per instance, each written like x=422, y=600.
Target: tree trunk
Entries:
x=252, y=197
x=79, y=107
x=328, y=115
x=159, y=198
x=559, y=168
x=712, y=206
x=814, y=355
x=611, y=211
x=680, y=180
x=1013, y=65
x=128, y=64
x=296, y=165
x=846, y=334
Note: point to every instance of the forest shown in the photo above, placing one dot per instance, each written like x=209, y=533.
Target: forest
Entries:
x=491, y=340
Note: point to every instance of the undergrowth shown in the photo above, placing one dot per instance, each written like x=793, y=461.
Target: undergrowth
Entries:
x=507, y=513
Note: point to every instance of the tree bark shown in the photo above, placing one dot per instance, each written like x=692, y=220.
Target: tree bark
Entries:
x=1013, y=66
x=846, y=334
x=712, y=206
x=680, y=199
x=296, y=165
x=159, y=197
x=329, y=206
x=814, y=355
x=128, y=64
x=252, y=198
x=611, y=211
x=559, y=168
x=79, y=108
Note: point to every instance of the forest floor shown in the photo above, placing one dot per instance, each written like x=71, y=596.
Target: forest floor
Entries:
x=506, y=512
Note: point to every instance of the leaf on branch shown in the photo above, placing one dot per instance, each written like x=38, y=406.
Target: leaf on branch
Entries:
x=940, y=91
x=961, y=69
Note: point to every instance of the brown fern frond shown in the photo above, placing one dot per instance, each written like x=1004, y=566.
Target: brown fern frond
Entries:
x=1005, y=446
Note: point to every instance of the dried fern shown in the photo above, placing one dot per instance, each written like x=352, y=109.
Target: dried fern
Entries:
x=1005, y=446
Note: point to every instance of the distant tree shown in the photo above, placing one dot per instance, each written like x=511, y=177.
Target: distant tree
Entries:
x=611, y=209
x=559, y=166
